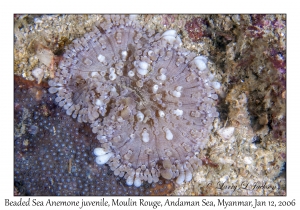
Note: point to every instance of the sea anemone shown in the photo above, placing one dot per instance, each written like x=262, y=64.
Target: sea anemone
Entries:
x=150, y=101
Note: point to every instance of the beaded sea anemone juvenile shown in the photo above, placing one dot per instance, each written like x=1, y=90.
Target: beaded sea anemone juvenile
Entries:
x=150, y=101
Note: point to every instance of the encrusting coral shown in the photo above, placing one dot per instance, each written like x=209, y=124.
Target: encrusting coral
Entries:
x=150, y=101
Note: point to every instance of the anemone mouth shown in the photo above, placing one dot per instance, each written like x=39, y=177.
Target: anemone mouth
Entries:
x=149, y=100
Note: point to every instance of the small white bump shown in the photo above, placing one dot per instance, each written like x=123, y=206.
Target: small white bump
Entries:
x=100, y=160
x=176, y=93
x=112, y=76
x=140, y=116
x=178, y=112
x=124, y=55
x=169, y=135
x=200, y=62
x=161, y=113
x=171, y=37
x=99, y=151
x=130, y=73
x=216, y=85
x=94, y=73
x=143, y=65
x=145, y=136
x=99, y=102
x=101, y=58
x=248, y=160
x=162, y=77
x=142, y=71
x=226, y=133
x=154, y=88
x=170, y=32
